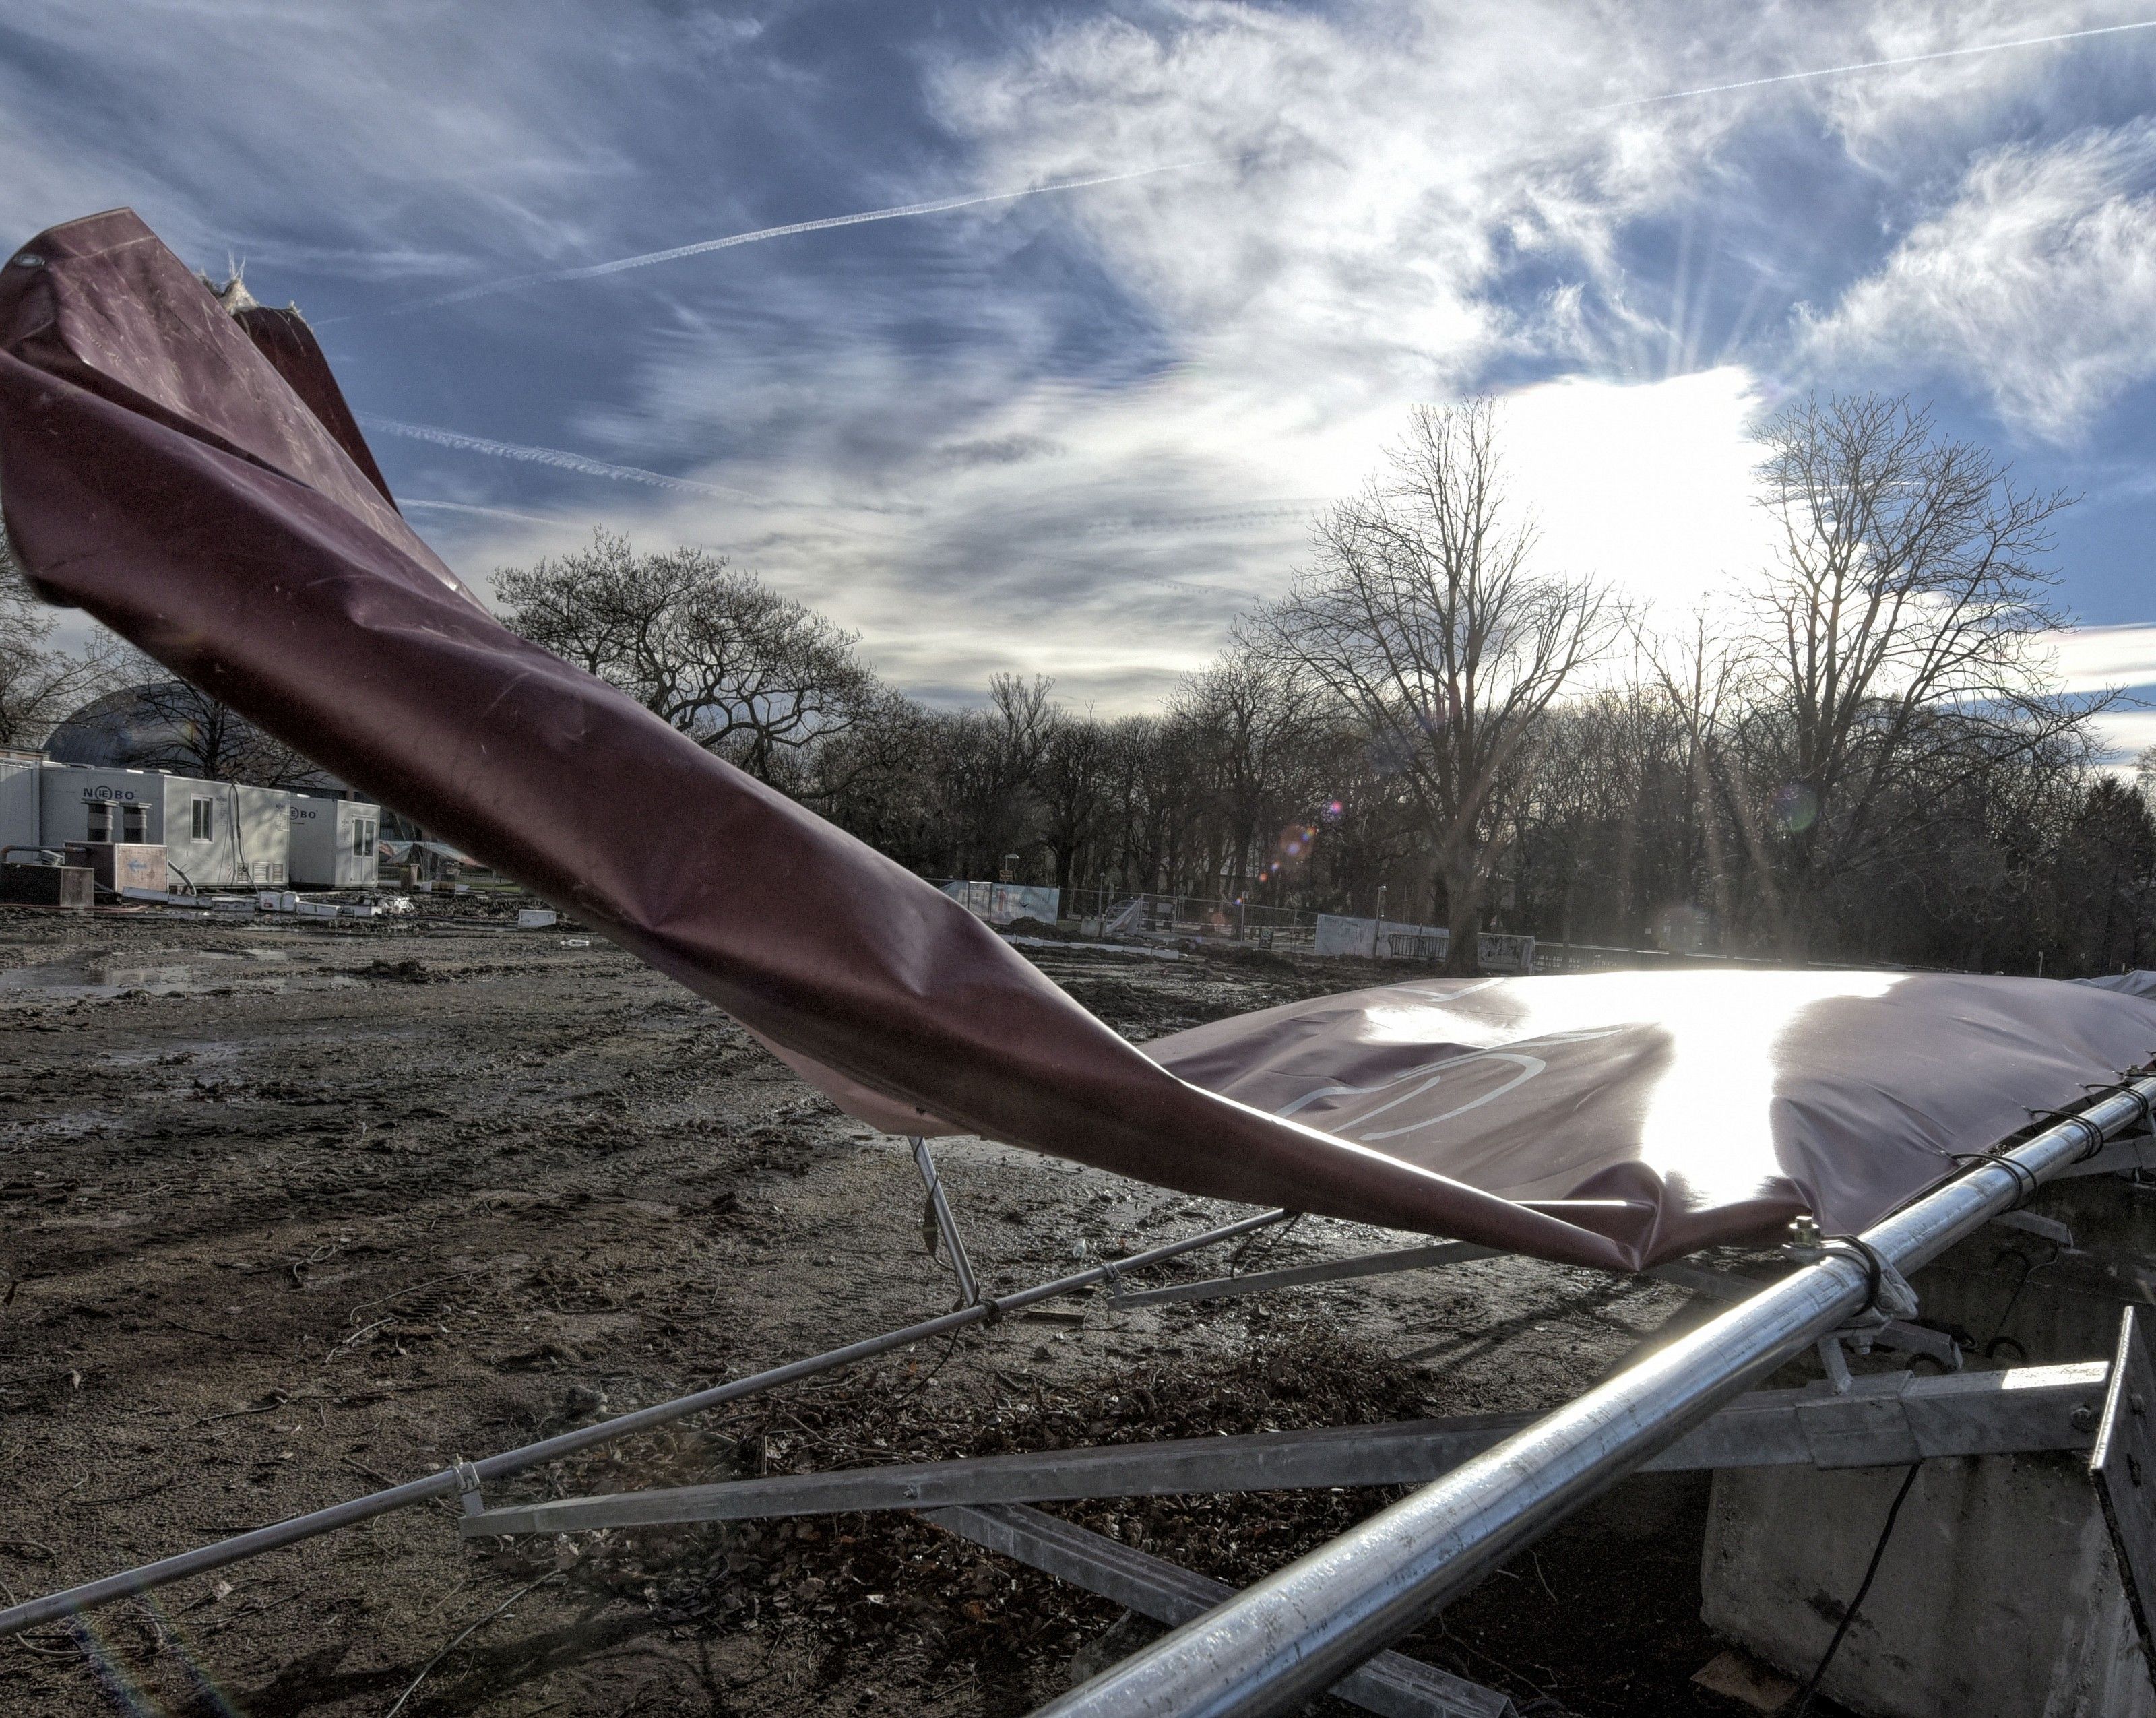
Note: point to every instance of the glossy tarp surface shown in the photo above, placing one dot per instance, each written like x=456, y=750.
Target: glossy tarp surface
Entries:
x=1709, y=1103
x=199, y=486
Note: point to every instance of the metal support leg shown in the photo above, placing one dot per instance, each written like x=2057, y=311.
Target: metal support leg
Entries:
x=945, y=1225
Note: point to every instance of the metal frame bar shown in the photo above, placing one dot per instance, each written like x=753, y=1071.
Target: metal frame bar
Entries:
x=1391, y=1682
x=947, y=1225
x=1272, y=1647
x=465, y=1477
x=1897, y=1334
x=1733, y=1286
x=1333, y=1271
x=1884, y=1419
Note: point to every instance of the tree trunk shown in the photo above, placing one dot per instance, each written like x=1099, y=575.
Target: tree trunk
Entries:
x=1463, y=915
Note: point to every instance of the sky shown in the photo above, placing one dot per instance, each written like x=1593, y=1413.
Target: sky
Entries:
x=1161, y=281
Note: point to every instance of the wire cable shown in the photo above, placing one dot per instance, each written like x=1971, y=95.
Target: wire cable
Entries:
x=1804, y=1700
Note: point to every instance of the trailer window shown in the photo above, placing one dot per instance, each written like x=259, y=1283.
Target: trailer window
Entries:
x=362, y=838
x=204, y=826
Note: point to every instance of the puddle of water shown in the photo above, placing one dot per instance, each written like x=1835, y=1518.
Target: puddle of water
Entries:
x=97, y=980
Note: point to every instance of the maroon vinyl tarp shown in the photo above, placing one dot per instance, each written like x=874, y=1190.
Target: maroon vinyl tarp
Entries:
x=197, y=484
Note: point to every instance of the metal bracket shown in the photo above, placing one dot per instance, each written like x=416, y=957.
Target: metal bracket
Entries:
x=468, y=1486
x=937, y=1220
x=1835, y=1360
x=1861, y=1422
x=1897, y=1334
x=2049, y=1228
x=2123, y=1468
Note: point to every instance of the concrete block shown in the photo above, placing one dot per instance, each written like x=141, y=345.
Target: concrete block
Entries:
x=2000, y=1595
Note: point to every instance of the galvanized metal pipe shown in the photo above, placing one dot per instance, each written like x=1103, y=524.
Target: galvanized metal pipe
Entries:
x=947, y=1225
x=1280, y=1642
x=448, y=1483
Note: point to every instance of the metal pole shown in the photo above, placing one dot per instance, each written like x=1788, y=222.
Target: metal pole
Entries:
x=449, y=1482
x=947, y=1225
x=1279, y=1642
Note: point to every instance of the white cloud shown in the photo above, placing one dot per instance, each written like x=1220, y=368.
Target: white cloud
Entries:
x=1073, y=434
x=2123, y=734
x=2093, y=659
x=1381, y=173
x=2037, y=282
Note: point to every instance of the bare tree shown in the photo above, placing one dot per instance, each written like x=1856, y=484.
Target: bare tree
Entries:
x=1899, y=627
x=178, y=727
x=1073, y=781
x=40, y=683
x=1262, y=719
x=740, y=669
x=1422, y=614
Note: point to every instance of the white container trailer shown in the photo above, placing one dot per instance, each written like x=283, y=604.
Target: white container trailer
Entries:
x=20, y=824
x=333, y=842
x=216, y=834
x=261, y=824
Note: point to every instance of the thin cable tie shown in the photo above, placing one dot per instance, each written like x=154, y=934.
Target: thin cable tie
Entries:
x=2096, y=1137
x=1875, y=1268
x=2025, y=1178
x=2025, y=1182
x=2129, y=1085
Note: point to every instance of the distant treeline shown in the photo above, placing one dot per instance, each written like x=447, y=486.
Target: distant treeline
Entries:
x=1862, y=754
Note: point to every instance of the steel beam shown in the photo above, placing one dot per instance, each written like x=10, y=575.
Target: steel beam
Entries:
x=1272, y=1647
x=1884, y=1419
x=1391, y=1683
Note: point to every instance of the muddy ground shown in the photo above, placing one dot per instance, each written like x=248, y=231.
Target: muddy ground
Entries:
x=290, y=1212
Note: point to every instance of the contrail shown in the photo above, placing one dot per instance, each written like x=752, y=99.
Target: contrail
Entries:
x=483, y=512
x=553, y=456
x=594, y=271
x=1871, y=65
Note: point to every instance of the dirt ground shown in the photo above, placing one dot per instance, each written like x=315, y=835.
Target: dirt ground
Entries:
x=288, y=1213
